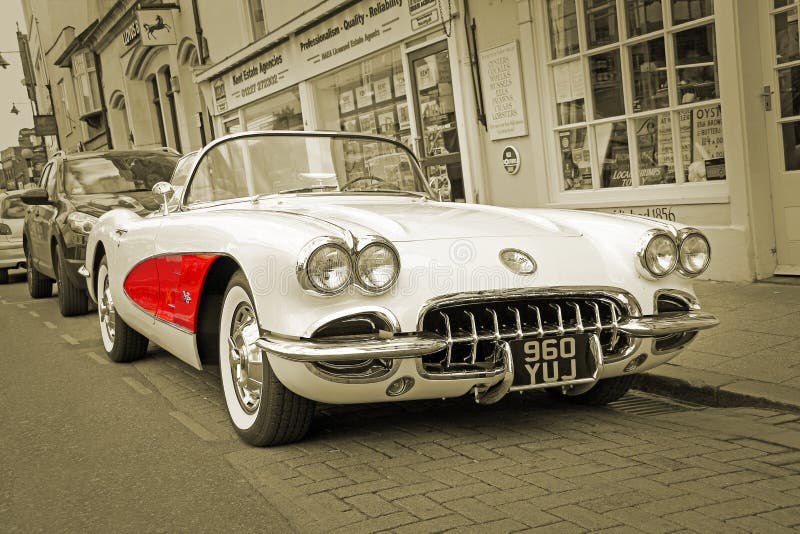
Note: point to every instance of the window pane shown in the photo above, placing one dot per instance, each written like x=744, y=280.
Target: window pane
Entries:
x=569, y=90
x=563, y=23
x=791, y=145
x=576, y=165
x=782, y=3
x=789, y=83
x=649, y=68
x=643, y=16
x=786, y=36
x=702, y=148
x=654, y=142
x=606, y=80
x=277, y=112
x=695, y=57
x=612, y=148
x=257, y=18
x=686, y=10
x=601, y=22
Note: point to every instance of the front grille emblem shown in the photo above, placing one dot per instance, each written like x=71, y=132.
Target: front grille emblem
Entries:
x=517, y=261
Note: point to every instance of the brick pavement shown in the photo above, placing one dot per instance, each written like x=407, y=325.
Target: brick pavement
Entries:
x=752, y=356
x=525, y=463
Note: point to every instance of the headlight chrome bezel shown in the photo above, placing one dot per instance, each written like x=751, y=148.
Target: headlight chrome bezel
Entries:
x=641, y=253
x=683, y=235
x=307, y=253
x=365, y=244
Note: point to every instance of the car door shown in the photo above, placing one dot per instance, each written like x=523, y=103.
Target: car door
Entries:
x=33, y=223
x=47, y=217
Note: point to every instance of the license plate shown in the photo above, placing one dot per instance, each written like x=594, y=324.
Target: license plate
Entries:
x=550, y=361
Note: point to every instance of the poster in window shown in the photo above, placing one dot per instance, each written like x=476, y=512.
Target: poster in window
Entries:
x=346, y=102
x=702, y=144
x=353, y=159
x=402, y=116
x=383, y=89
x=364, y=95
x=427, y=73
x=654, y=140
x=371, y=150
x=367, y=123
x=612, y=144
x=349, y=125
x=576, y=166
x=387, y=124
x=399, y=84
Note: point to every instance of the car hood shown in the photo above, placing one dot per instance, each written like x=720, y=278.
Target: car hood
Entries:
x=415, y=220
x=139, y=202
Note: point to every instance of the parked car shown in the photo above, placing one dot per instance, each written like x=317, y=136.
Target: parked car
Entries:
x=74, y=191
x=12, y=213
x=308, y=275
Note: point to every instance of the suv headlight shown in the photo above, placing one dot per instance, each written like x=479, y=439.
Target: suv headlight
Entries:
x=658, y=253
x=325, y=268
x=81, y=223
x=694, y=252
x=377, y=267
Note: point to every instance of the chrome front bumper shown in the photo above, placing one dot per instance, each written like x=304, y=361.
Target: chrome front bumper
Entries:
x=416, y=345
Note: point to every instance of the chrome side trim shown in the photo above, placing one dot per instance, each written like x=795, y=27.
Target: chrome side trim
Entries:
x=667, y=323
x=624, y=298
x=343, y=349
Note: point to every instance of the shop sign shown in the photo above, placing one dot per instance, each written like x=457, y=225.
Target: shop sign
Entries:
x=156, y=27
x=511, y=159
x=502, y=89
x=45, y=125
x=131, y=33
x=255, y=79
x=361, y=29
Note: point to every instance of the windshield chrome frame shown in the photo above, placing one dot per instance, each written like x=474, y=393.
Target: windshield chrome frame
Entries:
x=290, y=133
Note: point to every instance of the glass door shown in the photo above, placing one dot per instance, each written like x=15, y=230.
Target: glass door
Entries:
x=438, y=145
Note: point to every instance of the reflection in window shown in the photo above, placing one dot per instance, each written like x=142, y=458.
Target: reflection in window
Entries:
x=576, y=165
x=654, y=143
x=563, y=28
x=607, y=85
x=612, y=145
x=695, y=60
x=643, y=16
x=787, y=47
x=791, y=145
x=686, y=10
x=601, y=22
x=257, y=19
x=649, y=67
x=13, y=208
x=789, y=86
x=277, y=112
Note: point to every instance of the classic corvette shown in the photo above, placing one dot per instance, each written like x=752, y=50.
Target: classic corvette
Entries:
x=321, y=267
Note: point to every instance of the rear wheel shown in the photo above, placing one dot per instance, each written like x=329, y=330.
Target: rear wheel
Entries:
x=72, y=300
x=121, y=342
x=3, y=276
x=39, y=286
x=263, y=411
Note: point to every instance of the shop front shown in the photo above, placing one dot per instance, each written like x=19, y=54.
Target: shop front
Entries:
x=384, y=68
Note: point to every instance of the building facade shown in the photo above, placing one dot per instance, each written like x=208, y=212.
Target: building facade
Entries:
x=684, y=110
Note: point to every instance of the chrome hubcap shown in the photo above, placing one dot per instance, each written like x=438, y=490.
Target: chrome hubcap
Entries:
x=245, y=358
x=105, y=307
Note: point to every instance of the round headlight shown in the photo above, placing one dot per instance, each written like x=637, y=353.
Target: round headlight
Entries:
x=377, y=267
x=694, y=254
x=660, y=255
x=329, y=269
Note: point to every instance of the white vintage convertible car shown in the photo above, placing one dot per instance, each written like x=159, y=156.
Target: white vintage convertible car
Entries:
x=320, y=266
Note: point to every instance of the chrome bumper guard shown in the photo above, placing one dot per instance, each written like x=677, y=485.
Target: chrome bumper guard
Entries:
x=344, y=349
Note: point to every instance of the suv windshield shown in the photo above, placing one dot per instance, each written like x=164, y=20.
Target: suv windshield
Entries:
x=12, y=208
x=270, y=164
x=118, y=173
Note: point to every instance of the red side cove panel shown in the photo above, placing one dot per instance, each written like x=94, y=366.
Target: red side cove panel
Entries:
x=169, y=287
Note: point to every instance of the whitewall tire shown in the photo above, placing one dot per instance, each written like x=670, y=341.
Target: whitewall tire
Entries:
x=121, y=342
x=263, y=411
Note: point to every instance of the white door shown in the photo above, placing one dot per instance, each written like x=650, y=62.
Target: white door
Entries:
x=781, y=46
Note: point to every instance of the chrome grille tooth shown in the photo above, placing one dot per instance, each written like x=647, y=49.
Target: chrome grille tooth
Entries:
x=474, y=349
x=578, y=318
x=495, y=323
x=559, y=317
x=598, y=321
x=614, y=325
x=449, y=339
x=518, y=320
x=540, y=331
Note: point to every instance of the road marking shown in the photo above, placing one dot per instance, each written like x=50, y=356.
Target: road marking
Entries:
x=96, y=358
x=136, y=385
x=4, y=301
x=198, y=429
x=20, y=305
x=33, y=314
x=48, y=324
x=69, y=339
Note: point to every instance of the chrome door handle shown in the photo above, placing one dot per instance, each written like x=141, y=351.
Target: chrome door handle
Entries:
x=120, y=232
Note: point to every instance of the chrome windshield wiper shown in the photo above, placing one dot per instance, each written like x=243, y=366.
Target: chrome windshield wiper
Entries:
x=311, y=189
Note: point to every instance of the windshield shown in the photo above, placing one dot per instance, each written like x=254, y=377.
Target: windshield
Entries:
x=268, y=164
x=182, y=170
x=118, y=173
x=12, y=208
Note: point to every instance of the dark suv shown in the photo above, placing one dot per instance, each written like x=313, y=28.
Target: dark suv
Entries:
x=74, y=191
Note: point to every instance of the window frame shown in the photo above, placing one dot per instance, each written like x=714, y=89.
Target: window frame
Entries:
x=680, y=192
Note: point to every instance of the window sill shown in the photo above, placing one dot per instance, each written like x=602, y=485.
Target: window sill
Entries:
x=661, y=195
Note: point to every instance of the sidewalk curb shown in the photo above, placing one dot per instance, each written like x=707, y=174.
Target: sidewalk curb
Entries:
x=715, y=389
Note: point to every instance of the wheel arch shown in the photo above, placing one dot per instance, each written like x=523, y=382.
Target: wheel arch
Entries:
x=219, y=274
x=99, y=254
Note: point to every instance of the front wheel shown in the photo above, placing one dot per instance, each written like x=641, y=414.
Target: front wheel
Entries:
x=72, y=300
x=263, y=411
x=3, y=276
x=121, y=342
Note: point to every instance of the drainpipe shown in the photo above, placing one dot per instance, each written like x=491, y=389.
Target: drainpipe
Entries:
x=99, y=69
x=198, y=29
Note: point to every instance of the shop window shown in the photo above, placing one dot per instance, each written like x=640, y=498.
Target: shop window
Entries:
x=231, y=123
x=624, y=111
x=368, y=96
x=277, y=112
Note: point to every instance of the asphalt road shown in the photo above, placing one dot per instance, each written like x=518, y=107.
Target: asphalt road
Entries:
x=88, y=445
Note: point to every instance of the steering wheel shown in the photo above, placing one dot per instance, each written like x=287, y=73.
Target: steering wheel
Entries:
x=360, y=178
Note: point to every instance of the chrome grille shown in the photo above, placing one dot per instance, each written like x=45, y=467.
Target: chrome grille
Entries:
x=474, y=330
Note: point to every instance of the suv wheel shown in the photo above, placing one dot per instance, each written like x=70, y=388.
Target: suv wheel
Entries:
x=39, y=286
x=72, y=300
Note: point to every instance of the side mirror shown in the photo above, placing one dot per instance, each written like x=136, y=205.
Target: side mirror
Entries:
x=163, y=190
x=35, y=197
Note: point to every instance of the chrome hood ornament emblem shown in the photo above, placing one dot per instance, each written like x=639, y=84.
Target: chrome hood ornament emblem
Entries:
x=517, y=261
